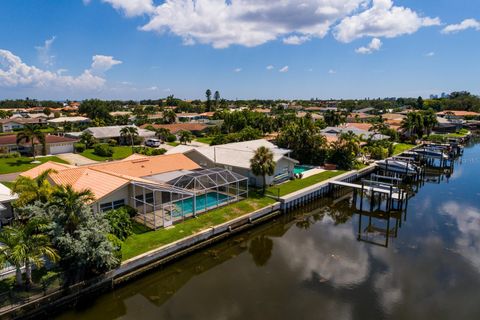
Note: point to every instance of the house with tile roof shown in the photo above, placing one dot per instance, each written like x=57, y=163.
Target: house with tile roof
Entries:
x=236, y=157
x=53, y=145
x=163, y=189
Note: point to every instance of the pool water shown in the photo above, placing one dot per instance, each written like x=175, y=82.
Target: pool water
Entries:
x=301, y=169
x=203, y=201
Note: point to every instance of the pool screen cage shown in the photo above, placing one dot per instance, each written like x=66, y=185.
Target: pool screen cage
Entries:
x=162, y=204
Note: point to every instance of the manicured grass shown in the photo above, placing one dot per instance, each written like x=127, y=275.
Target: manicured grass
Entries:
x=143, y=241
x=206, y=140
x=297, y=184
x=460, y=134
x=402, y=147
x=173, y=144
x=119, y=153
x=11, y=165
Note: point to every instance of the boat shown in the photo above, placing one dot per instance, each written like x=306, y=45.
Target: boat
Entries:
x=398, y=166
x=432, y=153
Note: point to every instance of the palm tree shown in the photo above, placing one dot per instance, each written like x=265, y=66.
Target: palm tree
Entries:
x=185, y=136
x=71, y=202
x=30, y=190
x=162, y=134
x=31, y=134
x=429, y=120
x=27, y=244
x=262, y=164
x=169, y=116
x=130, y=132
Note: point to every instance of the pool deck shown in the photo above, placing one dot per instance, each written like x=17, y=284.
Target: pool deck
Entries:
x=312, y=172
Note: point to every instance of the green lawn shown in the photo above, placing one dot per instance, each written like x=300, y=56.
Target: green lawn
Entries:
x=297, y=184
x=460, y=134
x=206, y=140
x=11, y=165
x=173, y=144
x=119, y=153
x=143, y=241
x=402, y=147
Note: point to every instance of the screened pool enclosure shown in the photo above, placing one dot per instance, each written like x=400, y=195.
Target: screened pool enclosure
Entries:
x=164, y=199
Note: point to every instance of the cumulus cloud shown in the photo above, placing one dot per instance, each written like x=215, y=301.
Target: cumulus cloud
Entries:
x=15, y=73
x=132, y=8
x=382, y=19
x=331, y=71
x=430, y=54
x=296, y=40
x=270, y=67
x=44, y=55
x=247, y=22
x=284, y=69
x=237, y=70
x=373, y=46
x=464, y=25
x=101, y=63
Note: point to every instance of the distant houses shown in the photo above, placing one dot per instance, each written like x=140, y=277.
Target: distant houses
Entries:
x=53, y=145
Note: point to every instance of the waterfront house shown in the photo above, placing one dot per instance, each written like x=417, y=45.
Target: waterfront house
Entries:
x=175, y=128
x=162, y=189
x=16, y=123
x=236, y=157
x=104, y=134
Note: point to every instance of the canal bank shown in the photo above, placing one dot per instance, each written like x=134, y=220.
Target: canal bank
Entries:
x=326, y=260
x=143, y=263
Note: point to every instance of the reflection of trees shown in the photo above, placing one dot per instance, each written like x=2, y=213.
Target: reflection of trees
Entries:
x=261, y=250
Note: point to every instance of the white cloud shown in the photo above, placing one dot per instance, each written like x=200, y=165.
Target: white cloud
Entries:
x=102, y=63
x=296, y=40
x=331, y=71
x=464, y=25
x=44, y=55
x=247, y=22
x=270, y=67
x=15, y=73
x=430, y=54
x=132, y=8
x=237, y=70
x=373, y=46
x=284, y=69
x=382, y=19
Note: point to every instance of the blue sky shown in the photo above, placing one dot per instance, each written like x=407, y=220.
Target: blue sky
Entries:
x=133, y=49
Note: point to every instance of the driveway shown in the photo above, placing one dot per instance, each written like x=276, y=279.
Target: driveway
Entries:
x=9, y=177
x=76, y=159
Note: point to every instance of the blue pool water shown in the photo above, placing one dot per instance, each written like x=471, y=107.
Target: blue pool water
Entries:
x=301, y=169
x=203, y=201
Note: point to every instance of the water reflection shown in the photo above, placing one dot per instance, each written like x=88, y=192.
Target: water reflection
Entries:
x=319, y=263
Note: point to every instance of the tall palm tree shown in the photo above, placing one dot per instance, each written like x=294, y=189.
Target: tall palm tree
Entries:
x=162, y=134
x=30, y=190
x=169, y=116
x=262, y=164
x=130, y=132
x=31, y=134
x=185, y=136
x=71, y=202
x=27, y=244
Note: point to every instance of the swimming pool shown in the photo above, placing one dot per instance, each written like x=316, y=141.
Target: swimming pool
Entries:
x=301, y=169
x=203, y=201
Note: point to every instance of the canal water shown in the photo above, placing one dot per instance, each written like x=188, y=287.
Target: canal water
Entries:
x=315, y=264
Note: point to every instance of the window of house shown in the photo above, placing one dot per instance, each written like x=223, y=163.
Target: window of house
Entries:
x=112, y=205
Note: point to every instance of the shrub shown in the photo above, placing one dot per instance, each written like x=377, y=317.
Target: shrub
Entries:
x=10, y=155
x=79, y=147
x=171, y=138
x=378, y=153
x=103, y=150
x=147, y=151
x=120, y=223
x=112, y=142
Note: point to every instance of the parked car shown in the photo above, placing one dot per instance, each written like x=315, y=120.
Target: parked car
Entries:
x=153, y=143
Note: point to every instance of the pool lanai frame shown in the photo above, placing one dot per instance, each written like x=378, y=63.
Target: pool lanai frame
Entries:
x=163, y=211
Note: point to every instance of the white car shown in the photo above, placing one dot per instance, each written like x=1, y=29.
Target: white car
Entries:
x=153, y=142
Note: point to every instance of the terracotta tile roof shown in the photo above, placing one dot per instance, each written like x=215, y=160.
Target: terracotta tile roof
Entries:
x=104, y=178
x=23, y=120
x=147, y=166
x=35, y=172
x=361, y=126
x=177, y=127
x=11, y=139
x=459, y=113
